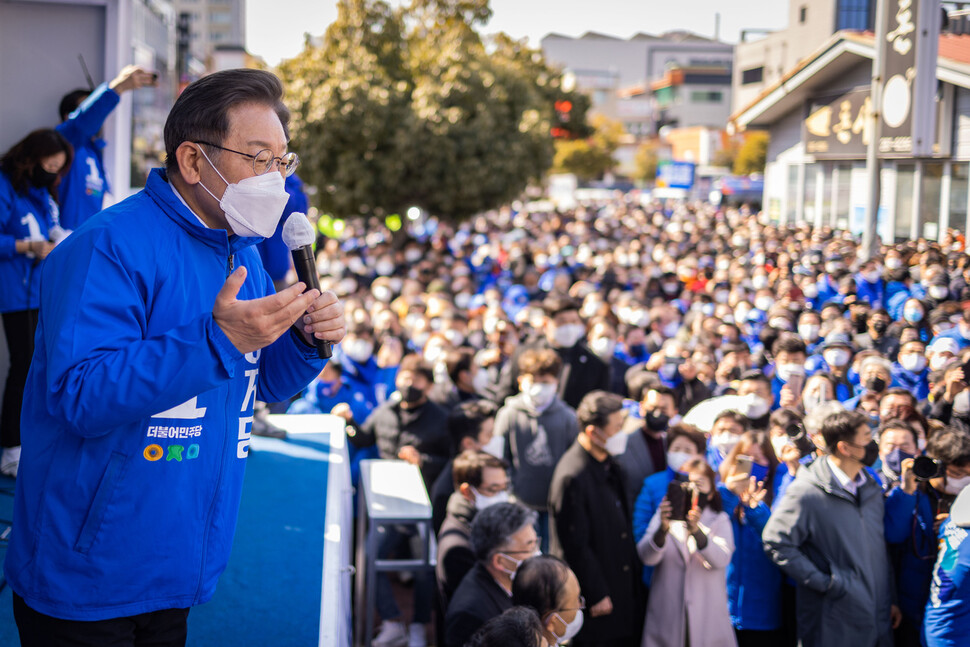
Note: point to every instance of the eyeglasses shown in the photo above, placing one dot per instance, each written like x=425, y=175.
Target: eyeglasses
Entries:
x=263, y=160
x=581, y=607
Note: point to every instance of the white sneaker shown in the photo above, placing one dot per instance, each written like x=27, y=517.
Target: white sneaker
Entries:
x=10, y=461
x=392, y=634
x=417, y=635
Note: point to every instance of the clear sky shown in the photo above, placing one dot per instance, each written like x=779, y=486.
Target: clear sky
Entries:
x=275, y=28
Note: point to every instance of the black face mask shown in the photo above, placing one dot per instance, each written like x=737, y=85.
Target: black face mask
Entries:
x=872, y=453
x=412, y=394
x=876, y=384
x=657, y=420
x=42, y=179
x=879, y=327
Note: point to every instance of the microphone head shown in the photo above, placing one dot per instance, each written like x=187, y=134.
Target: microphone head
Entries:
x=297, y=231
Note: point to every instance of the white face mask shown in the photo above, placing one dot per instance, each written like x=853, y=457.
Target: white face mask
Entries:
x=616, y=444
x=939, y=292
x=572, y=628
x=359, y=350
x=480, y=382
x=603, y=347
x=836, y=357
x=808, y=332
x=495, y=446
x=961, y=403
x=567, y=335
x=764, y=303
x=754, y=406
x=938, y=361
x=254, y=205
x=725, y=442
x=787, y=371
x=482, y=501
x=676, y=460
x=955, y=486
x=778, y=443
x=912, y=362
x=670, y=330
x=539, y=395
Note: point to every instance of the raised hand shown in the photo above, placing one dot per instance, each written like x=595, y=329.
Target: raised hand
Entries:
x=252, y=325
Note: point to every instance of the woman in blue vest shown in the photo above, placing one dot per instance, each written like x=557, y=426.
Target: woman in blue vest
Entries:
x=753, y=581
x=29, y=229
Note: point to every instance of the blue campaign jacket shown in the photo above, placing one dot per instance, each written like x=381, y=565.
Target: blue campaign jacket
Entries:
x=753, y=580
x=916, y=383
x=82, y=189
x=28, y=215
x=874, y=293
x=912, y=547
x=137, y=414
x=653, y=491
x=948, y=609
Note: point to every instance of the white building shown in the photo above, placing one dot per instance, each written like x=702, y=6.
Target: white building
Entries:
x=214, y=24
x=805, y=181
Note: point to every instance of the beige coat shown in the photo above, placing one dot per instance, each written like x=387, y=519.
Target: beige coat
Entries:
x=689, y=584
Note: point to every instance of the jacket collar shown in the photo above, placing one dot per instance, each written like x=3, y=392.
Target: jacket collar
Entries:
x=823, y=477
x=160, y=191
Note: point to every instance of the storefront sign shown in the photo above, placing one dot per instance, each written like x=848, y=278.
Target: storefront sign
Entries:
x=910, y=35
x=840, y=128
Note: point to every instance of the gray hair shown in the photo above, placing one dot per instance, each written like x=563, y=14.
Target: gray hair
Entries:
x=494, y=526
x=878, y=361
x=814, y=419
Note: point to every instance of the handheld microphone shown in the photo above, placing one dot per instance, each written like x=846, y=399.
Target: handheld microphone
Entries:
x=298, y=237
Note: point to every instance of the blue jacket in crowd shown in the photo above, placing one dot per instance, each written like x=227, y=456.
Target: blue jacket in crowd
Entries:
x=137, y=414
x=873, y=293
x=912, y=545
x=753, y=580
x=916, y=383
x=82, y=189
x=29, y=215
x=947, y=620
x=653, y=491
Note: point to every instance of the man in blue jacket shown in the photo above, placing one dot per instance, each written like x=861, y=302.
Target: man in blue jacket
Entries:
x=83, y=113
x=158, y=331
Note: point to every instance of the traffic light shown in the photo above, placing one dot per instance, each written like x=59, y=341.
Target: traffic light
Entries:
x=560, y=128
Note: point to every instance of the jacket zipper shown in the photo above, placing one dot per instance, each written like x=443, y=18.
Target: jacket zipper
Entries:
x=222, y=469
x=230, y=265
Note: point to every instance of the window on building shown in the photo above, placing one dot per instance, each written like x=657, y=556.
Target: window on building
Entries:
x=809, y=210
x=905, y=183
x=752, y=75
x=854, y=14
x=217, y=36
x=843, y=194
x=929, y=201
x=802, y=14
x=705, y=96
x=959, y=186
x=791, y=197
x=220, y=17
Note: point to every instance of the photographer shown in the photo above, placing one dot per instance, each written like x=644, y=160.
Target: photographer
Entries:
x=689, y=549
x=752, y=477
x=827, y=534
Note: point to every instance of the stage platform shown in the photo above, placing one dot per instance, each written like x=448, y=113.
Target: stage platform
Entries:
x=288, y=580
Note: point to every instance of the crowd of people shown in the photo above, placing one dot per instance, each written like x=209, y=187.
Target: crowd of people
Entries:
x=638, y=422
x=702, y=424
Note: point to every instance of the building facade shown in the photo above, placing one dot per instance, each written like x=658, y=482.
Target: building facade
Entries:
x=618, y=73
x=811, y=178
x=214, y=24
x=761, y=61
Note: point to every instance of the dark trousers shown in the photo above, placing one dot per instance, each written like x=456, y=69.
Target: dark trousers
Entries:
x=750, y=638
x=165, y=628
x=19, y=328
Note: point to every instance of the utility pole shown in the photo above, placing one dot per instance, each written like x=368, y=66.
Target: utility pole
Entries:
x=870, y=238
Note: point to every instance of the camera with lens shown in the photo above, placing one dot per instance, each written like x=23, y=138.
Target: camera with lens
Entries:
x=926, y=468
x=799, y=438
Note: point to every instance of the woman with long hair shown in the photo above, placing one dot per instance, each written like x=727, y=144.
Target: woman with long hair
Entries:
x=29, y=229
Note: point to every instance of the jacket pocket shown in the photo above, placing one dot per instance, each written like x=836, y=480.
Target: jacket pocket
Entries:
x=92, y=522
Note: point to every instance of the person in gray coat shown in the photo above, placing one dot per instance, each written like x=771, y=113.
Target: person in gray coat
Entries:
x=826, y=533
x=537, y=428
